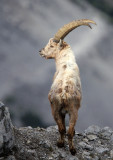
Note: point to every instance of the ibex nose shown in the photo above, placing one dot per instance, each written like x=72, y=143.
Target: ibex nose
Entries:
x=41, y=50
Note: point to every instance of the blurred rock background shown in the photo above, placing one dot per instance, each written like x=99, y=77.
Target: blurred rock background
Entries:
x=25, y=78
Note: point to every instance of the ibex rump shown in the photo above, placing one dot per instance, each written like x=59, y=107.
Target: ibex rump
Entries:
x=65, y=94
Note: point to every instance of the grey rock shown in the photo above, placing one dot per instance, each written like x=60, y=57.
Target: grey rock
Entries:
x=101, y=150
x=10, y=158
x=99, y=142
x=106, y=132
x=95, y=158
x=82, y=144
x=85, y=140
x=92, y=129
x=28, y=141
x=108, y=129
x=111, y=153
x=73, y=158
x=1, y=141
x=63, y=154
x=87, y=157
x=55, y=155
x=51, y=158
x=1, y=104
x=85, y=153
x=6, y=131
x=111, y=138
x=29, y=127
x=32, y=152
x=89, y=147
x=41, y=142
x=47, y=144
x=52, y=128
x=86, y=146
x=92, y=137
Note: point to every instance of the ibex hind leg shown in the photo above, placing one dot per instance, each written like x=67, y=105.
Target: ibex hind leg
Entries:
x=73, y=115
x=60, y=120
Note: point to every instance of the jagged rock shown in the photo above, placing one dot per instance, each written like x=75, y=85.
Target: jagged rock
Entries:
x=6, y=131
x=86, y=146
x=85, y=154
x=111, y=153
x=92, y=129
x=73, y=158
x=92, y=137
x=112, y=138
x=85, y=140
x=106, y=132
x=102, y=150
x=27, y=143
x=10, y=158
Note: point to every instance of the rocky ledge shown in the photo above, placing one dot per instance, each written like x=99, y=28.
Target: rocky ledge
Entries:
x=29, y=143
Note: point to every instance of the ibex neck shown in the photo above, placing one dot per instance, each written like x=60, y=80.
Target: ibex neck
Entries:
x=65, y=57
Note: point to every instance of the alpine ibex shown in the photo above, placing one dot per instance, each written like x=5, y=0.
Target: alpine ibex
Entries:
x=65, y=94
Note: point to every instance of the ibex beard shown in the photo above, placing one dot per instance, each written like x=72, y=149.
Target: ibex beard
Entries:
x=65, y=93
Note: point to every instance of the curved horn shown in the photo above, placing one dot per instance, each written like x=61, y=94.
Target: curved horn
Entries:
x=62, y=32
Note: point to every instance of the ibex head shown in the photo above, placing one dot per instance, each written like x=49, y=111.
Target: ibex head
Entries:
x=56, y=44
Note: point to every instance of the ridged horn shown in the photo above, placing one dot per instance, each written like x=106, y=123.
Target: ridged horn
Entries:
x=66, y=29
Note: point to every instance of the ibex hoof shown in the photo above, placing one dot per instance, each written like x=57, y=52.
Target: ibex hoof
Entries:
x=60, y=144
x=73, y=151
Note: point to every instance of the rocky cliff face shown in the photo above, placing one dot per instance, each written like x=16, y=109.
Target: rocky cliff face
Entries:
x=29, y=143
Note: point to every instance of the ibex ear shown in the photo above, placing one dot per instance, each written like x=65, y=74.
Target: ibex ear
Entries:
x=60, y=44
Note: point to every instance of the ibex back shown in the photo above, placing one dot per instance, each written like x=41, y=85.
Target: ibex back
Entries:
x=65, y=94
